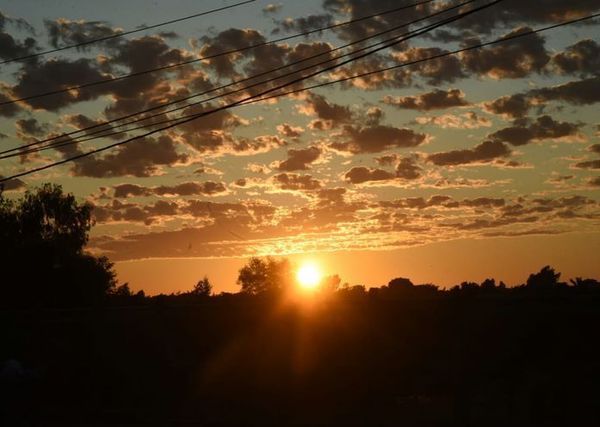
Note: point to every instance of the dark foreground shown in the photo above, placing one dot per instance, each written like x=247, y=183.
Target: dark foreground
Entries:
x=348, y=360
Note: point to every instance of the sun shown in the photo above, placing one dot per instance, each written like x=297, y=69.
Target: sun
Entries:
x=308, y=275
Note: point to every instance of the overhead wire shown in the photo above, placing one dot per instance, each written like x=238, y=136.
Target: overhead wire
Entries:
x=239, y=102
x=207, y=57
x=124, y=33
x=24, y=149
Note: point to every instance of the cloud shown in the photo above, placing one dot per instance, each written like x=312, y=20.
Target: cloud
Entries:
x=57, y=74
x=295, y=182
x=272, y=8
x=304, y=23
x=208, y=188
x=333, y=114
x=544, y=127
x=468, y=120
x=361, y=174
x=289, y=130
x=11, y=47
x=299, y=159
x=591, y=164
x=227, y=40
x=407, y=168
x=446, y=69
x=374, y=139
x=513, y=60
x=8, y=110
x=582, y=58
x=581, y=92
x=30, y=127
x=140, y=158
x=436, y=100
x=11, y=185
x=482, y=153
x=67, y=32
x=509, y=106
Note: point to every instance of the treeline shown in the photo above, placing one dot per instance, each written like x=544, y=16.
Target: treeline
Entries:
x=44, y=264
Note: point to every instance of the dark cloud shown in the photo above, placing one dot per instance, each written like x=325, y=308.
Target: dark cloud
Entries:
x=57, y=74
x=544, y=127
x=299, y=159
x=438, y=99
x=582, y=58
x=333, y=114
x=66, y=32
x=581, y=92
x=386, y=160
x=595, y=148
x=482, y=153
x=510, y=106
x=513, y=60
x=207, y=188
x=11, y=185
x=292, y=181
x=11, y=47
x=374, y=139
x=436, y=71
x=590, y=164
x=9, y=110
x=30, y=127
x=525, y=12
x=141, y=158
x=408, y=169
x=289, y=130
x=361, y=174
x=126, y=190
x=231, y=39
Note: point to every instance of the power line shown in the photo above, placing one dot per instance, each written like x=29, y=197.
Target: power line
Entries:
x=216, y=55
x=241, y=101
x=22, y=149
x=125, y=33
x=429, y=58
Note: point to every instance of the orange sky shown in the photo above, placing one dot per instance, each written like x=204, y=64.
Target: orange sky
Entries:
x=445, y=264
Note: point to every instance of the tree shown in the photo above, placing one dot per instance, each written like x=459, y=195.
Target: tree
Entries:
x=203, y=288
x=400, y=283
x=43, y=236
x=264, y=275
x=546, y=278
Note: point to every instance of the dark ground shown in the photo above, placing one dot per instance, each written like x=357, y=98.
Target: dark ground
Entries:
x=500, y=360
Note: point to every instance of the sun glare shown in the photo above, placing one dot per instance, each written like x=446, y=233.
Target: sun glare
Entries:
x=308, y=276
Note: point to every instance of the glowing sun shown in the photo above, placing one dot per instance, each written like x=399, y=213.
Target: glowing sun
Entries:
x=308, y=275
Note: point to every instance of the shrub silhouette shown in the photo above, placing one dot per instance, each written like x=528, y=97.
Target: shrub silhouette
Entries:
x=43, y=236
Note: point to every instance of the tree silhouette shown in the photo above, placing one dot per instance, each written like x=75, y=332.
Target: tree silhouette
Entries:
x=546, y=278
x=261, y=275
x=43, y=236
x=203, y=288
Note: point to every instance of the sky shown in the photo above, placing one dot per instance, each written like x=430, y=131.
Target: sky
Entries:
x=466, y=166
